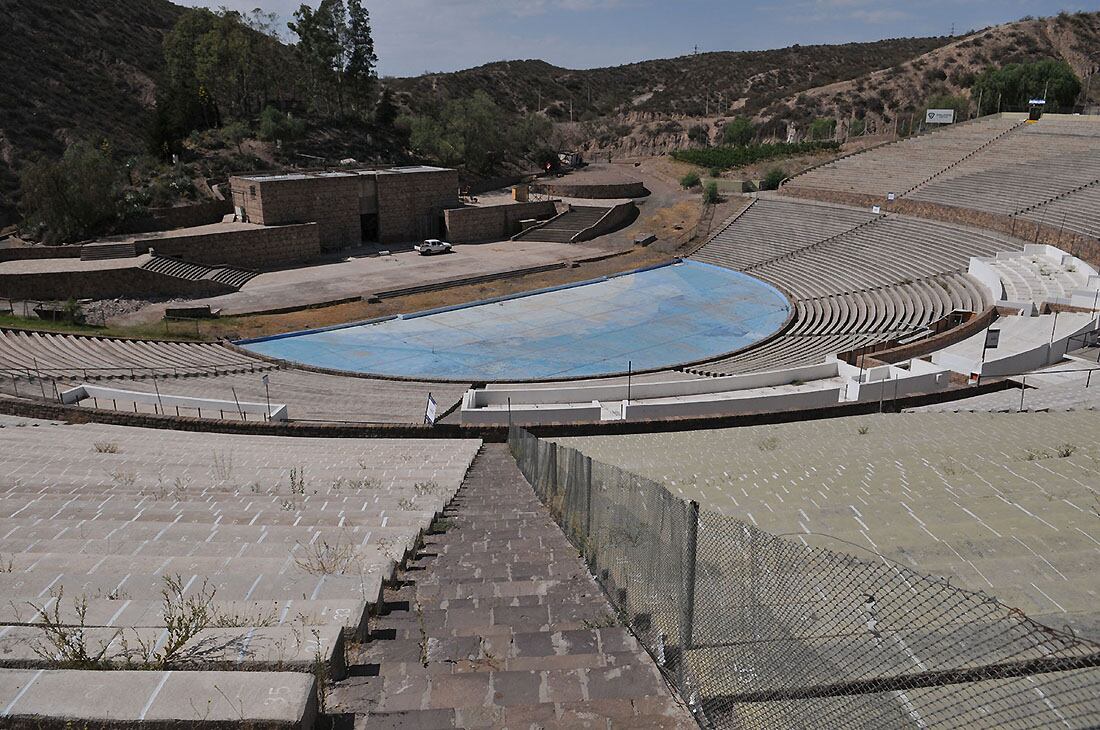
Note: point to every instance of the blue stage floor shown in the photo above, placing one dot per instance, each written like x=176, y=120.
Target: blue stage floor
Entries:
x=653, y=318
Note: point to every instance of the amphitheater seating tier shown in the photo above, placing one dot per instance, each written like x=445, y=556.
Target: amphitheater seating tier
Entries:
x=998, y=503
x=25, y=354
x=905, y=165
x=283, y=543
x=855, y=279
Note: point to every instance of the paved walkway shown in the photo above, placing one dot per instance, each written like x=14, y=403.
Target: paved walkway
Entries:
x=498, y=624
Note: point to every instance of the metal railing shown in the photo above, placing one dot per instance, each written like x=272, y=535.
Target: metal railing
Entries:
x=759, y=631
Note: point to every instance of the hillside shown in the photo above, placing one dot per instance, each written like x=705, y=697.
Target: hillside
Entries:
x=686, y=86
x=75, y=70
x=88, y=70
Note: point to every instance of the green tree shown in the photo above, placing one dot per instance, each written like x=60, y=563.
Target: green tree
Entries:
x=822, y=129
x=476, y=133
x=385, y=111
x=74, y=197
x=362, y=60
x=739, y=132
x=690, y=180
x=1017, y=83
x=710, y=193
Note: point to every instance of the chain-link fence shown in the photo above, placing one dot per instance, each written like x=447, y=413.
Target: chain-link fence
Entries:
x=761, y=632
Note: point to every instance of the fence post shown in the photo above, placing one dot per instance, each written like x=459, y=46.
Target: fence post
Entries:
x=687, y=619
x=588, y=498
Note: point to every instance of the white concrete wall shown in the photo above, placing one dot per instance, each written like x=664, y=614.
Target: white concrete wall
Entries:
x=727, y=406
x=648, y=391
x=165, y=401
x=988, y=277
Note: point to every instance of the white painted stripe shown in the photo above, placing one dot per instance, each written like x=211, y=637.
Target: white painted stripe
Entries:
x=152, y=697
x=20, y=693
x=255, y=583
x=118, y=613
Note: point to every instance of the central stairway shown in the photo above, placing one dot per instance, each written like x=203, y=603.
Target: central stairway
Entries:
x=566, y=226
x=497, y=623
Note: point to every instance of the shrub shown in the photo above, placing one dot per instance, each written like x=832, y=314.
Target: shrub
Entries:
x=699, y=134
x=739, y=132
x=278, y=127
x=710, y=193
x=689, y=180
x=822, y=128
x=715, y=172
x=773, y=178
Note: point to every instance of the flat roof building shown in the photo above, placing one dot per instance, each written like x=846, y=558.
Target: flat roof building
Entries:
x=388, y=205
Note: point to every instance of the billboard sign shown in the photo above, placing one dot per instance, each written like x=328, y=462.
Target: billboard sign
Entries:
x=940, y=116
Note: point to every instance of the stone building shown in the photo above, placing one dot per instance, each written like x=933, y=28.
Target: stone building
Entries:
x=351, y=206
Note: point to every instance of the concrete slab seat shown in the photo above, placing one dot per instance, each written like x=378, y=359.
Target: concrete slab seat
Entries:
x=238, y=648
x=60, y=698
x=237, y=586
x=349, y=615
x=57, y=354
x=273, y=515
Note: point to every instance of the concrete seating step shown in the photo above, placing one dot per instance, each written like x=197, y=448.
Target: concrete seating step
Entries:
x=243, y=648
x=64, y=698
x=349, y=615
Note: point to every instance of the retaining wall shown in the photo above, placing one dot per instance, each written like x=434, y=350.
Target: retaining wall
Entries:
x=252, y=248
x=493, y=223
x=618, y=217
x=604, y=191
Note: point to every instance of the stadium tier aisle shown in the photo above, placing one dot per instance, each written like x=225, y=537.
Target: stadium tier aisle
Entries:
x=180, y=559
x=1000, y=503
x=499, y=624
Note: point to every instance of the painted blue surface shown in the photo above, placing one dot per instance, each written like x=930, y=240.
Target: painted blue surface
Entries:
x=654, y=318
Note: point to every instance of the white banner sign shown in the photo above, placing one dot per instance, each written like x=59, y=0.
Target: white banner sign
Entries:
x=430, y=411
x=940, y=116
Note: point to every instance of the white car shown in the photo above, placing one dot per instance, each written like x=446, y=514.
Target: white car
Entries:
x=433, y=246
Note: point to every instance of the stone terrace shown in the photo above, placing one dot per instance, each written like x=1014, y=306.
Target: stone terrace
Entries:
x=282, y=544
x=499, y=624
x=1001, y=503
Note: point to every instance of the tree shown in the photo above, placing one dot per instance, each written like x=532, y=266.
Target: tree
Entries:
x=773, y=178
x=1017, y=83
x=362, y=60
x=336, y=48
x=74, y=197
x=385, y=111
x=710, y=193
x=822, y=128
x=690, y=180
x=739, y=132
x=278, y=127
x=475, y=133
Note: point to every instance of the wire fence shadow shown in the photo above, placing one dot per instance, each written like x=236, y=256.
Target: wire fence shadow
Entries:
x=757, y=631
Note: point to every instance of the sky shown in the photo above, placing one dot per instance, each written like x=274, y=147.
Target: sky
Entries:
x=417, y=36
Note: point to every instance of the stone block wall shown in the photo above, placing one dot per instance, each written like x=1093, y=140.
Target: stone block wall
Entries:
x=411, y=204
x=257, y=247
x=25, y=253
x=494, y=222
x=597, y=191
x=330, y=202
x=618, y=217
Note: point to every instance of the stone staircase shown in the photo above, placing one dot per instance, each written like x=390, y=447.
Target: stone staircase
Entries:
x=563, y=228
x=497, y=623
x=230, y=276
x=104, y=251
